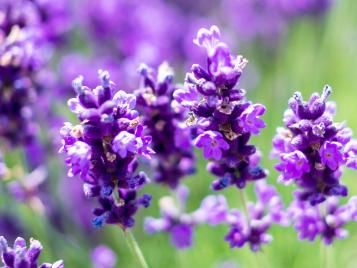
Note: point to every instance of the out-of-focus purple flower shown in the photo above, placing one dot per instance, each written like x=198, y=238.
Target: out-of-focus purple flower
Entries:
x=213, y=210
x=20, y=256
x=174, y=220
x=55, y=19
x=298, y=8
x=27, y=188
x=88, y=65
x=128, y=33
x=326, y=222
x=171, y=139
x=11, y=224
x=351, y=154
x=256, y=19
x=28, y=30
x=223, y=118
x=249, y=229
x=104, y=149
x=3, y=167
x=312, y=148
x=103, y=257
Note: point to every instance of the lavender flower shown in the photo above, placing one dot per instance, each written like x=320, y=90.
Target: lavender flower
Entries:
x=324, y=220
x=18, y=65
x=103, y=257
x=20, y=256
x=223, y=117
x=312, y=148
x=174, y=220
x=253, y=228
x=174, y=158
x=104, y=148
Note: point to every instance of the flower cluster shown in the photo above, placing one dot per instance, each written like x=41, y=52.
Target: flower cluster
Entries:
x=312, y=148
x=253, y=227
x=104, y=148
x=325, y=220
x=19, y=256
x=174, y=220
x=174, y=156
x=19, y=63
x=224, y=118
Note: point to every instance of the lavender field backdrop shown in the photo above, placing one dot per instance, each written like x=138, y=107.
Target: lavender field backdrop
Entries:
x=84, y=167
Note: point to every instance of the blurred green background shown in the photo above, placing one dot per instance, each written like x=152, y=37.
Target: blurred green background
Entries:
x=313, y=54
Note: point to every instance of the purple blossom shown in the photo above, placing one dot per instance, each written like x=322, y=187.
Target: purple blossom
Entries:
x=212, y=143
x=351, y=154
x=20, y=255
x=223, y=118
x=253, y=228
x=312, y=148
x=103, y=257
x=331, y=154
x=293, y=165
x=171, y=139
x=78, y=160
x=250, y=121
x=313, y=221
x=174, y=220
x=104, y=148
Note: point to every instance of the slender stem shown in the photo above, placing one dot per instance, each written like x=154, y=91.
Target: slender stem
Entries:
x=323, y=262
x=244, y=203
x=135, y=248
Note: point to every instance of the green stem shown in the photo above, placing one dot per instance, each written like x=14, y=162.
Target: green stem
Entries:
x=244, y=203
x=322, y=255
x=135, y=248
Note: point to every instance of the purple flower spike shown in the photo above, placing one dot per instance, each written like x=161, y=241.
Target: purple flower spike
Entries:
x=312, y=148
x=222, y=117
x=20, y=256
x=104, y=148
x=171, y=139
x=212, y=144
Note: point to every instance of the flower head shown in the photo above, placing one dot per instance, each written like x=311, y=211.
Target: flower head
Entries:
x=223, y=118
x=312, y=148
x=171, y=139
x=104, y=149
